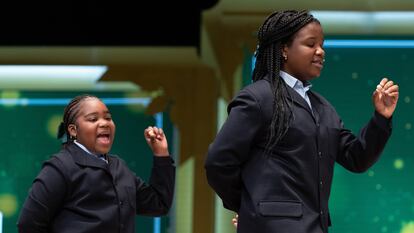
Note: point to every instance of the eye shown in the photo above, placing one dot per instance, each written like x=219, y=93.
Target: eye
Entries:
x=108, y=117
x=91, y=119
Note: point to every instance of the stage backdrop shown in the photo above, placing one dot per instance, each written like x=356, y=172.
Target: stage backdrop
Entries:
x=381, y=199
x=29, y=126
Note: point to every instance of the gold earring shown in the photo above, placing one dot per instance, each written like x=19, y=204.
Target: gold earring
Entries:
x=285, y=57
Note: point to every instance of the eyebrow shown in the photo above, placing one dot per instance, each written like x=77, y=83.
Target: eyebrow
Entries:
x=311, y=38
x=96, y=113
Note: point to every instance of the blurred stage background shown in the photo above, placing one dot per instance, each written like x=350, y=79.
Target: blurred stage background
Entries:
x=178, y=64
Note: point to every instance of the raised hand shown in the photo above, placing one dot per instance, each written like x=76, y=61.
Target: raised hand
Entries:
x=385, y=97
x=157, y=141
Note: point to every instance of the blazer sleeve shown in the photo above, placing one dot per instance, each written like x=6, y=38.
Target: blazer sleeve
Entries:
x=44, y=200
x=155, y=198
x=231, y=147
x=358, y=153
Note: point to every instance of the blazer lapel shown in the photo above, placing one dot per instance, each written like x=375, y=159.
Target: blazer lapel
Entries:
x=82, y=158
x=299, y=100
x=317, y=106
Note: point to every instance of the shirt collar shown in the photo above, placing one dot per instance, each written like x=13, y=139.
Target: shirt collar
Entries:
x=83, y=148
x=294, y=82
x=102, y=157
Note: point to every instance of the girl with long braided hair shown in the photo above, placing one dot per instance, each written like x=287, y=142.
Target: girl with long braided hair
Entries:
x=272, y=161
x=83, y=188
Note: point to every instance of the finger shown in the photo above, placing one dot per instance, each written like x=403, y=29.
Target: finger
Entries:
x=383, y=82
x=161, y=132
x=388, y=84
x=393, y=88
x=150, y=133
x=394, y=94
x=147, y=130
x=156, y=130
x=376, y=93
x=379, y=88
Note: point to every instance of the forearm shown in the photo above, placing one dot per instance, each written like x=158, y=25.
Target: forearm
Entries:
x=156, y=198
x=362, y=152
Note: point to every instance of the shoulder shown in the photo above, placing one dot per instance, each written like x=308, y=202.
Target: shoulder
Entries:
x=258, y=91
x=59, y=163
x=62, y=158
x=258, y=94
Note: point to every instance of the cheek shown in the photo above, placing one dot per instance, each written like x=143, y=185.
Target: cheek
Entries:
x=87, y=132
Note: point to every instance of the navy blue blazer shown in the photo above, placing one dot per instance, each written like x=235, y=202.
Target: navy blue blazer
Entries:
x=76, y=192
x=287, y=190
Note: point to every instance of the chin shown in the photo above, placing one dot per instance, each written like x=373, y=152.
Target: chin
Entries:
x=103, y=151
x=316, y=75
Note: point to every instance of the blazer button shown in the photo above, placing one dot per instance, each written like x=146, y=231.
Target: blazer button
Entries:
x=120, y=203
x=320, y=154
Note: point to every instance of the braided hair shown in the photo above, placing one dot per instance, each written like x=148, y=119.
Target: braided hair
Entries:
x=277, y=30
x=70, y=114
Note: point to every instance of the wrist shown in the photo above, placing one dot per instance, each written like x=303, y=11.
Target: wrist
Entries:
x=161, y=153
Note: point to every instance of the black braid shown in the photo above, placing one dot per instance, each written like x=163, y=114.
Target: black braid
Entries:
x=70, y=114
x=277, y=30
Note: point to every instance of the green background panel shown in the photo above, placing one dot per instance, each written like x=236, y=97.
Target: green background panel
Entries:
x=381, y=199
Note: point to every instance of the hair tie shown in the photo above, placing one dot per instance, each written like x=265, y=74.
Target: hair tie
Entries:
x=61, y=134
x=256, y=53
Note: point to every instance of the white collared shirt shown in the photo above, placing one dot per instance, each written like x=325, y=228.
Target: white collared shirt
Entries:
x=297, y=85
x=90, y=153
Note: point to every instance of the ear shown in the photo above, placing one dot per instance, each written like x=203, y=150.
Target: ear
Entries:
x=72, y=130
x=285, y=50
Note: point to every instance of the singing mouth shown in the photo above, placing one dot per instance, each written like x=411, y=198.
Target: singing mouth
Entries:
x=318, y=63
x=104, y=137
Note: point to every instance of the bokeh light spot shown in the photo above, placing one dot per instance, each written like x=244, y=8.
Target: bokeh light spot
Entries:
x=53, y=124
x=399, y=164
x=378, y=187
x=371, y=173
x=354, y=75
x=407, y=227
x=8, y=96
x=8, y=204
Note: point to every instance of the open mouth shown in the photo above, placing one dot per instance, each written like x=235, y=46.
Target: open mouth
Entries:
x=318, y=63
x=104, y=138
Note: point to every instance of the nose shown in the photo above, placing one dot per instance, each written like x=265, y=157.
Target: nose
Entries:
x=103, y=123
x=320, y=52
